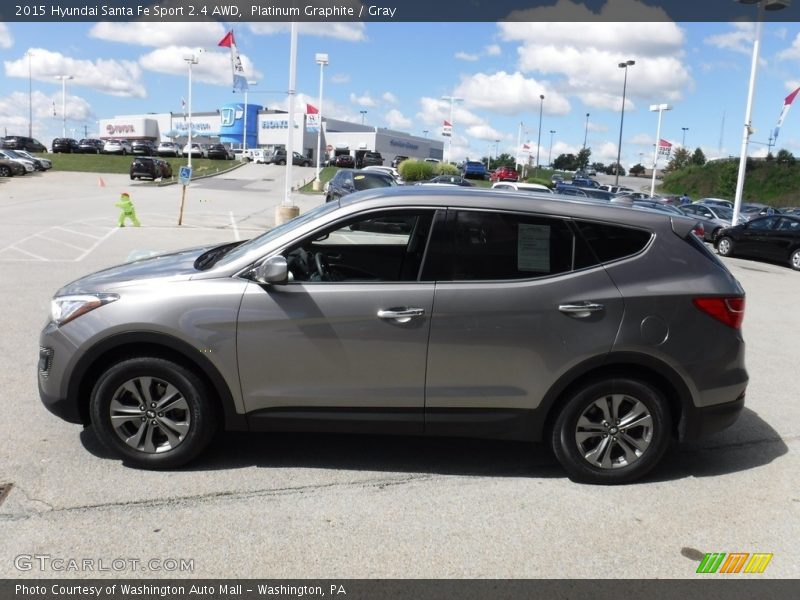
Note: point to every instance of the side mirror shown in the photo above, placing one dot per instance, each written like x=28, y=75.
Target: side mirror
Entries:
x=274, y=270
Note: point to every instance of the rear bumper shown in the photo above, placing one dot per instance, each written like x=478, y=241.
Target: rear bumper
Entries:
x=699, y=422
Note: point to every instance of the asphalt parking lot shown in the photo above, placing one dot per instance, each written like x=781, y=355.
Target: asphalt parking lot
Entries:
x=307, y=506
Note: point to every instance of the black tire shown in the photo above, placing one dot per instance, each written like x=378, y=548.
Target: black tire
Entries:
x=715, y=233
x=581, y=416
x=725, y=246
x=281, y=162
x=794, y=259
x=196, y=407
x=5, y=171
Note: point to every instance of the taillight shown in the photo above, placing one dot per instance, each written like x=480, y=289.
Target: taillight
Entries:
x=727, y=310
x=699, y=230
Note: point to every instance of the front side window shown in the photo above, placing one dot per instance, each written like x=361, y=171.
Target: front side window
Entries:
x=383, y=246
x=763, y=224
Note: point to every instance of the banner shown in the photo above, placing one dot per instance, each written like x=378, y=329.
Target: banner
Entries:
x=787, y=103
x=239, y=80
x=447, y=129
x=664, y=148
x=312, y=122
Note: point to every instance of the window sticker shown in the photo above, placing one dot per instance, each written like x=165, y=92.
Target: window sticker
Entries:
x=533, y=248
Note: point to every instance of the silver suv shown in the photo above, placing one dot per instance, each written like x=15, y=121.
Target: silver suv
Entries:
x=602, y=330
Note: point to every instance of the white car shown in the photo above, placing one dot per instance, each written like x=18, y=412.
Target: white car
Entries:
x=169, y=149
x=196, y=151
x=29, y=165
x=616, y=189
x=46, y=163
x=117, y=147
x=388, y=170
x=521, y=186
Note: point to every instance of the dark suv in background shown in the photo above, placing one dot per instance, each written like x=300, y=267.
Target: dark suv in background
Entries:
x=372, y=159
x=65, y=146
x=91, y=146
x=18, y=142
x=150, y=168
x=143, y=147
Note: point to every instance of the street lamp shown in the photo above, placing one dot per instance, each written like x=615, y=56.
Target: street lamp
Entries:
x=771, y=5
x=586, y=131
x=550, y=151
x=539, y=137
x=660, y=108
x=496, y=152
x=64, y=79
x=452, y=100
x=244, y=125
x=29, y=54
x=622, y=65
x=683, y=140
x=191, y=60
x=322, y=60
x=363, y=114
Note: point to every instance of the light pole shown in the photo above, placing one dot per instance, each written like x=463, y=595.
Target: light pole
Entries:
x=30, y=95
x=64, y=79
x=517, y=163
x=191, y=60
x=244, y=125
x=550, y=151
x=768, y=5
x=363, y=114
x=660, y=108
x=496, y=152
x=622, y=65
x=322, y=60
x=683, y=139
x=539, y=136
x=586, y=131
x=452, y=100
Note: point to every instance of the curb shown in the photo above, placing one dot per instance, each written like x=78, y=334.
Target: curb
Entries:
x=174, y=181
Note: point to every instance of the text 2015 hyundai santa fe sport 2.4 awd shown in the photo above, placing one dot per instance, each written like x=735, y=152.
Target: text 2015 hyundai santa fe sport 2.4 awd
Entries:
x=601, y=330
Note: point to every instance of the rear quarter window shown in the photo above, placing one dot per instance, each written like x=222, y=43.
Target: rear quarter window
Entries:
x=612, y=242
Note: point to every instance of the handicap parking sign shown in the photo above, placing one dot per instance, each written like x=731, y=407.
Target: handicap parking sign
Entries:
x=185, y=175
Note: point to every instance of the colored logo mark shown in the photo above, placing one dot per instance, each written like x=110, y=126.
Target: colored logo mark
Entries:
x=734, y=562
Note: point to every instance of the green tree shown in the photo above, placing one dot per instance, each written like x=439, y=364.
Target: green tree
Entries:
x=680, y=160
x=726, y=184
x=583, y=158
x=636, y=170
x=698, y=158
x=785, y=157
x=566, y=162
x=612, y=169
x=599, y=167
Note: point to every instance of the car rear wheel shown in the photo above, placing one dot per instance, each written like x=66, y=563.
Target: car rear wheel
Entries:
x=153, y=412
x=5, y=171
x=281, y=162
x=725, y=246
x=794, y=259
x=611, y=431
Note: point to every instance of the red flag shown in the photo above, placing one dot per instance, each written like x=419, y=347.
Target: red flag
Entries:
x=448, y=124
x=311, y=110
x=228, y=40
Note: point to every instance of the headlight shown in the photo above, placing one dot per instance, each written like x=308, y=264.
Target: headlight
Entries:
x=64, y=309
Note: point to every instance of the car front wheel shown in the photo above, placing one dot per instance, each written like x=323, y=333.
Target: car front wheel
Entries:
x=725, y=246
x=154, y=413
x=794, y=260
x=611, y=431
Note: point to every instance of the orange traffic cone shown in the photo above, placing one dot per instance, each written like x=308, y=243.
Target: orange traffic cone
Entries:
x=100, y=182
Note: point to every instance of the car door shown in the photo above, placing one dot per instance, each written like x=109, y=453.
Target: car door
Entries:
x=511, y=315
x=783, y=237
x=753, y=238
x=345, y=340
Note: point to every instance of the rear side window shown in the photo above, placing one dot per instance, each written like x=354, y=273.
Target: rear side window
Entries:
x=612, y=242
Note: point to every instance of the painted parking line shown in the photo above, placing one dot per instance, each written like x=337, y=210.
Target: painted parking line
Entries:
x=59, y=243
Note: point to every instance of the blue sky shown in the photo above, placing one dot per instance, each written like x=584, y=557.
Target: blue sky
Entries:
x=398, y=72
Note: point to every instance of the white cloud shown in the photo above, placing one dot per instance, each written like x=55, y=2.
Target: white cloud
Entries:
x=340, y=78
x=6, y=39
x=435, y=110
x=330, y=108
x=195, y=34
x=396, y=120
x=739, y=40
x=642, y=139
x=116, y=78
x=790, y=53
x=599, y=127
x=389, y=98
x=349, y=32
x=493, y=50
x=486, y=132
x=466, y=56
x=14, y=113
x=363, y=100
x=510, y=93
x=212, y=67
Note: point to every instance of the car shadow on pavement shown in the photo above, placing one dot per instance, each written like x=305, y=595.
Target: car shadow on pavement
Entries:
x=749, y=444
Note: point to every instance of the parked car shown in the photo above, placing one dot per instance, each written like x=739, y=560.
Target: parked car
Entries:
x=474, y=169
x=344, y=161
x=219, y=152
x=150, y=168
x=19, y=142
x=504, y=174
x=521, y=186
x=556, y=177
x=26, y=163
x=615, y=189
x=65, y=145
x=790, y=210
x=347, y=181
x=389, y=171
x=714, y=218
x=91, y=146
x=553, y=321
x=169, y=149
x=448, y=180
x=775, y=237
x=10, y=168
x=369, y=159
x=143, y=147
x=585, y=182
x=117, y=147
x=715, y=202
x=398, y=159
x=39, y=163
x=659, y=206
x=279, y=158
x=569, y=189
x=753, y=210
x=196, y=151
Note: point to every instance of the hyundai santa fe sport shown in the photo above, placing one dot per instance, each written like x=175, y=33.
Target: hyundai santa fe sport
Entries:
x=601, y=330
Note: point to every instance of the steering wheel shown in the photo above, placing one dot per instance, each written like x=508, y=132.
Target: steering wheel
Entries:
x=323, y=268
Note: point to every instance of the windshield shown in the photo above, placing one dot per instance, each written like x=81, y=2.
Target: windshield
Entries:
x=723, y=213
x=278, y=231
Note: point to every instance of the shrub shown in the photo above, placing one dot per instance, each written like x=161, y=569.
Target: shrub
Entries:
x=540, y=181
x=444, y=169
x=416, y=170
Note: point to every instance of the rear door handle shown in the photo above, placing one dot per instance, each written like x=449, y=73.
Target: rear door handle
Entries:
x=401, y=315
x=581, y=310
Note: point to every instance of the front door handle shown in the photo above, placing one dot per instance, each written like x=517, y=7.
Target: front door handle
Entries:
x=581, y=310
x=401, y=315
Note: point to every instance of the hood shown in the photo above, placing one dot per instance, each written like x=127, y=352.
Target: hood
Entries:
x=176, y=265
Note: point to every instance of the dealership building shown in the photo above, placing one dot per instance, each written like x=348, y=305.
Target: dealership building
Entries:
x=270, y=129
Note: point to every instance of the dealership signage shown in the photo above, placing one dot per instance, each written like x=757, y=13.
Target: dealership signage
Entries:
x=183, y=125
x=114, y=129
x=403, y=144
x=277, y=123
